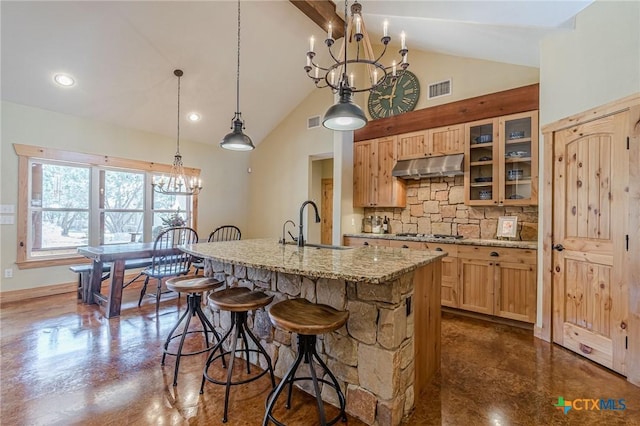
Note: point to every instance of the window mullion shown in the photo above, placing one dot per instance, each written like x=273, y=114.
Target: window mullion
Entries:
x=95, y=211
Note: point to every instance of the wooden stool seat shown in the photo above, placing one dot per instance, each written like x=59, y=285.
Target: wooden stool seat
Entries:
x=239, y=299
x=303, y=317
x=192, y=284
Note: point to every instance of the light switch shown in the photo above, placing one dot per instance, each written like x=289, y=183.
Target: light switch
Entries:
x=7, y=208
x=6, y=220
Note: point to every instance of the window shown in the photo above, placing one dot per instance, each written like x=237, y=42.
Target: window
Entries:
x=69, y=204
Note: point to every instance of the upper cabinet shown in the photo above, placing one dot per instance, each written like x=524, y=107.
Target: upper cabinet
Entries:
x=501, y=161
x=373, y=183
x=433, y=142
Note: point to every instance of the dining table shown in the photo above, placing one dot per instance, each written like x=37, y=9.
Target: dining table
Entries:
x=117, y=255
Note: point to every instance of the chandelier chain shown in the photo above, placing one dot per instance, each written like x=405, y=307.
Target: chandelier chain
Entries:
x=238, y=69
x=178, y=135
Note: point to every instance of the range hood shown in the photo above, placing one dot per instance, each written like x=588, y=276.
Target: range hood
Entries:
x=418, y=168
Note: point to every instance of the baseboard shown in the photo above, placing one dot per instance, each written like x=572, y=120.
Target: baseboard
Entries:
x=44, y=291
x=32, y=293
x=490, y=318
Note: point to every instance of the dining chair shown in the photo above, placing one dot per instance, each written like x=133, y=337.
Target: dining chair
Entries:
x=221, y=233
x=167, y=261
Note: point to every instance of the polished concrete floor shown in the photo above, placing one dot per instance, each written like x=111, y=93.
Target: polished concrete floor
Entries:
x=62, y=363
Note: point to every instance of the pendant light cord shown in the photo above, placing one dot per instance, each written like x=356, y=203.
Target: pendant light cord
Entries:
x=238, y=69
x=178, y=136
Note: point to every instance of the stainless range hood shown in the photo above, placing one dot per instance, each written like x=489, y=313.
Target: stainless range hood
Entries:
x=418, y=168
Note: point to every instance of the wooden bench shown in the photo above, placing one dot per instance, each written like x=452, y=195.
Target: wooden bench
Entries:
x=84, y=274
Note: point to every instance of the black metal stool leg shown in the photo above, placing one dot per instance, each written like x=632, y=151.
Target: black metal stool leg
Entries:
x=170, y=336
x=212, y=356
x=179, y=353
x=263, y=352
x=306, y=352
x=234, y=343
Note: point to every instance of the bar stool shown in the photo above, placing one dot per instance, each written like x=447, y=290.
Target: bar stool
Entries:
x=194, y=287
x=239, y=301
x=307, y=320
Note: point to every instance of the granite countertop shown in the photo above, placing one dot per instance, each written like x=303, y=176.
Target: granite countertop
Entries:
x=533, y=245
x=369, y=264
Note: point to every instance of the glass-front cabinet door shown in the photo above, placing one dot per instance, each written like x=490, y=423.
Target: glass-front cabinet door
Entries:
x=501, y=161
x=518, y=173
x=481, y=162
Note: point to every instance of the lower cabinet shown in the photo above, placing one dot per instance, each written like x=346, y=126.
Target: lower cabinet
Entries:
x=498, y=281
x=490, y=280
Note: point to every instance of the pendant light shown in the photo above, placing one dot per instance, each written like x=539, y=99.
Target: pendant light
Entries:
x=178, y=183
x=237, y=140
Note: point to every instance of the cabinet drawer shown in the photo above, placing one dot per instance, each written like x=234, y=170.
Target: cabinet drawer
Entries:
x=416, y=245
x=451, y=249
x=514, y=255
x=357, y=242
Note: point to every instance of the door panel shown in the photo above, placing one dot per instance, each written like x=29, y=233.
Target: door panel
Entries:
x=364, y=160
x=385, y=186
x=589, y=287
x=516, y=291
x=476, y=285
x=326, y=227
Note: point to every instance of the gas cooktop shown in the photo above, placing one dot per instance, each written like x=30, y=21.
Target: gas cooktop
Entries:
x=443, y=236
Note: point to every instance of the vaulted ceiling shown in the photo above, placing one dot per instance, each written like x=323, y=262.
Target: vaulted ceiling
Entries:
x=123, y=53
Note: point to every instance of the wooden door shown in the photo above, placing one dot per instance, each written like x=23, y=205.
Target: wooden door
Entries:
x=515, y=291
x=590, y=292
x=326, y=227
x=449, y=291
x=446, y=140
x=363, y=173
x=476, y=285
x=412, y=145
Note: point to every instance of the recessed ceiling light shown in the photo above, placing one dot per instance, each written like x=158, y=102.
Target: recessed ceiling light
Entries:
x=64, y=80
x=193, y=116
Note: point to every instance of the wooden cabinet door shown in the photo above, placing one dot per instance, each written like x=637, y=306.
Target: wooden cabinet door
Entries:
x=481, y=163
x=412, y=145
x=446, y=140
x=476, y=285
x=518, y=153
x=388, y=190
x=449, y=279
x=590, y=287
x=515, y=291
x=364, y=167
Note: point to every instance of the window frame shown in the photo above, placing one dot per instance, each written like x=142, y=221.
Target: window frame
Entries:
x=95, y=162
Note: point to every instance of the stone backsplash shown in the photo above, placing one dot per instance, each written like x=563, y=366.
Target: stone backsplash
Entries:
x=436, y=206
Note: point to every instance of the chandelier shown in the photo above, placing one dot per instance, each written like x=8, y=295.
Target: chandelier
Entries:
x=346, y=115
x=178, y=183
x=237, y=140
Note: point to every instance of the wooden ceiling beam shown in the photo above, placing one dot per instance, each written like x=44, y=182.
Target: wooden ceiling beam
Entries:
x=322, y=12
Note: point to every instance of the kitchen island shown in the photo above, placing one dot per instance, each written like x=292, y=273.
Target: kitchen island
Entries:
x=390, y=347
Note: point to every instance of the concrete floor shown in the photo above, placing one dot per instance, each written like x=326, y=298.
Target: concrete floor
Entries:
x=63, y=363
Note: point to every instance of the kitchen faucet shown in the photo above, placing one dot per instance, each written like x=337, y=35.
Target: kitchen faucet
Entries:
x=284, y=240
x=301, y=236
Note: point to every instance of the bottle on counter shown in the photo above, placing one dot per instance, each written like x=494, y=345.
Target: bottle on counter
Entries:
x=385, y=226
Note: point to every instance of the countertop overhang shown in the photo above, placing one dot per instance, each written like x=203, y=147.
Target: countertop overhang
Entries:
x=368, y=264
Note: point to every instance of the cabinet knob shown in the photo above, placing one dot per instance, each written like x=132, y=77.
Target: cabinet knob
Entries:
x=438, y=249
x=405, y=246
x=494, y=254
x=366, y=243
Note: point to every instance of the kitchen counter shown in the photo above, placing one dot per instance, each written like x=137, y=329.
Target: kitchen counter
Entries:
x=370, y=265
x=389, y=350
x=532, y=245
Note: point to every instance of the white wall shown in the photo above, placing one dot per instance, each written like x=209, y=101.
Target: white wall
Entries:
x=222, y=201
x=281, y=175
x=598, y=62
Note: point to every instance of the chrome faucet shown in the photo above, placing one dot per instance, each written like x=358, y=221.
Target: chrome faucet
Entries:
x=284, y=239
x=301, y=235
